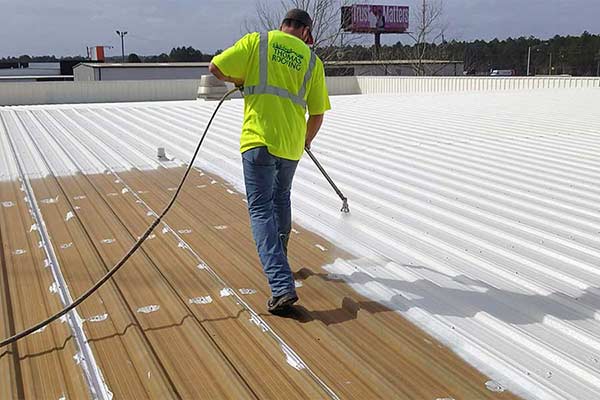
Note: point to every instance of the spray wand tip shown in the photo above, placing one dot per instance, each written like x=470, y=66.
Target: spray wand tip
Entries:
x=345, y=208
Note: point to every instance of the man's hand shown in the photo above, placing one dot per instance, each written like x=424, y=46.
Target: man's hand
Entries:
x=312, y=128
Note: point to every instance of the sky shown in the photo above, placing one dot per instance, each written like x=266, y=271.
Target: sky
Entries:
x=66, y=27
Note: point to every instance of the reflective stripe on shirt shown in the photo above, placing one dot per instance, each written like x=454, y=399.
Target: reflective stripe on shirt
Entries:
x=264, y=88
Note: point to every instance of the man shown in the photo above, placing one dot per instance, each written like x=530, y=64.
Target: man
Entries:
x=376, y=18
x=282, y=78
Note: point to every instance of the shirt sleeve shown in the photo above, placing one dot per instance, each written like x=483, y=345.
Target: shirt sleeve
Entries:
x=318, y=98
x=233, y=62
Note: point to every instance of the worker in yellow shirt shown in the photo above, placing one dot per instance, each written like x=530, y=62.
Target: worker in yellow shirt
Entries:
x=282, y=79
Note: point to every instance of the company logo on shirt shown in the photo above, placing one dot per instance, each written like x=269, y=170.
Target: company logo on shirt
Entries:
x=287, y=56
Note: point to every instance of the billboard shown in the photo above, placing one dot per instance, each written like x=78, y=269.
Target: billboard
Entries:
x=367, y=18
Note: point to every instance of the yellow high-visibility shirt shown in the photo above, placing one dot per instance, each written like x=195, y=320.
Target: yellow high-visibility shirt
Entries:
x=275, y=113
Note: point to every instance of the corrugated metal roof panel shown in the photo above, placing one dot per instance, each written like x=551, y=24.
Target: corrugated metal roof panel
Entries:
x=474, y=214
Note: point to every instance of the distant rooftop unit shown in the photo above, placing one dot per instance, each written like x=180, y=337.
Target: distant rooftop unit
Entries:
x=139, y=71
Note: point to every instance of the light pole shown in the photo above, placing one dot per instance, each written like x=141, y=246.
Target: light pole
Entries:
x=529, y=55
x=122, y=35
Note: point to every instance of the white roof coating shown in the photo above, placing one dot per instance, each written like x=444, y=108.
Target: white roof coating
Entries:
x=475, y=215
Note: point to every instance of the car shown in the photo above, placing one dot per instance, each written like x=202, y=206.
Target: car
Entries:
x=503, y=72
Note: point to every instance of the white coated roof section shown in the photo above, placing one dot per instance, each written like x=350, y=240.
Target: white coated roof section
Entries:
x=475, y=215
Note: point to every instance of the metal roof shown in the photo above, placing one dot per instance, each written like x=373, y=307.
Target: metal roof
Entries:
x=475, y=215
x=185, y=318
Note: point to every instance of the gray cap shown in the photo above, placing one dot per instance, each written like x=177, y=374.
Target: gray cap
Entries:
x=299, y=15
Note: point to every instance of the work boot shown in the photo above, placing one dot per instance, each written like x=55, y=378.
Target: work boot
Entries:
x=285, y=238
x=281, y=303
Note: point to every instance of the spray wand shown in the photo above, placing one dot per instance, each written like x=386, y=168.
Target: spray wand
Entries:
x=345, y=208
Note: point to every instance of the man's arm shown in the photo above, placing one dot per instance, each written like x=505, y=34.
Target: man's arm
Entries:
x=312, y=128
x=317, y=101
x=213, y=69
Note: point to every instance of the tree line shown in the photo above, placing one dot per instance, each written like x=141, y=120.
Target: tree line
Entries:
x=574, y=55
x=177, y=54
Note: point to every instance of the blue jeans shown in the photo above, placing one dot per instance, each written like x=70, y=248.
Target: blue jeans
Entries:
x=268, y=182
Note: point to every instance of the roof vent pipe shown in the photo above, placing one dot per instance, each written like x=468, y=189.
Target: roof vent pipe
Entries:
x=161, y=154
x=211, y=88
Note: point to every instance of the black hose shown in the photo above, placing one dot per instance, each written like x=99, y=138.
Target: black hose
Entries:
x=131, y=251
